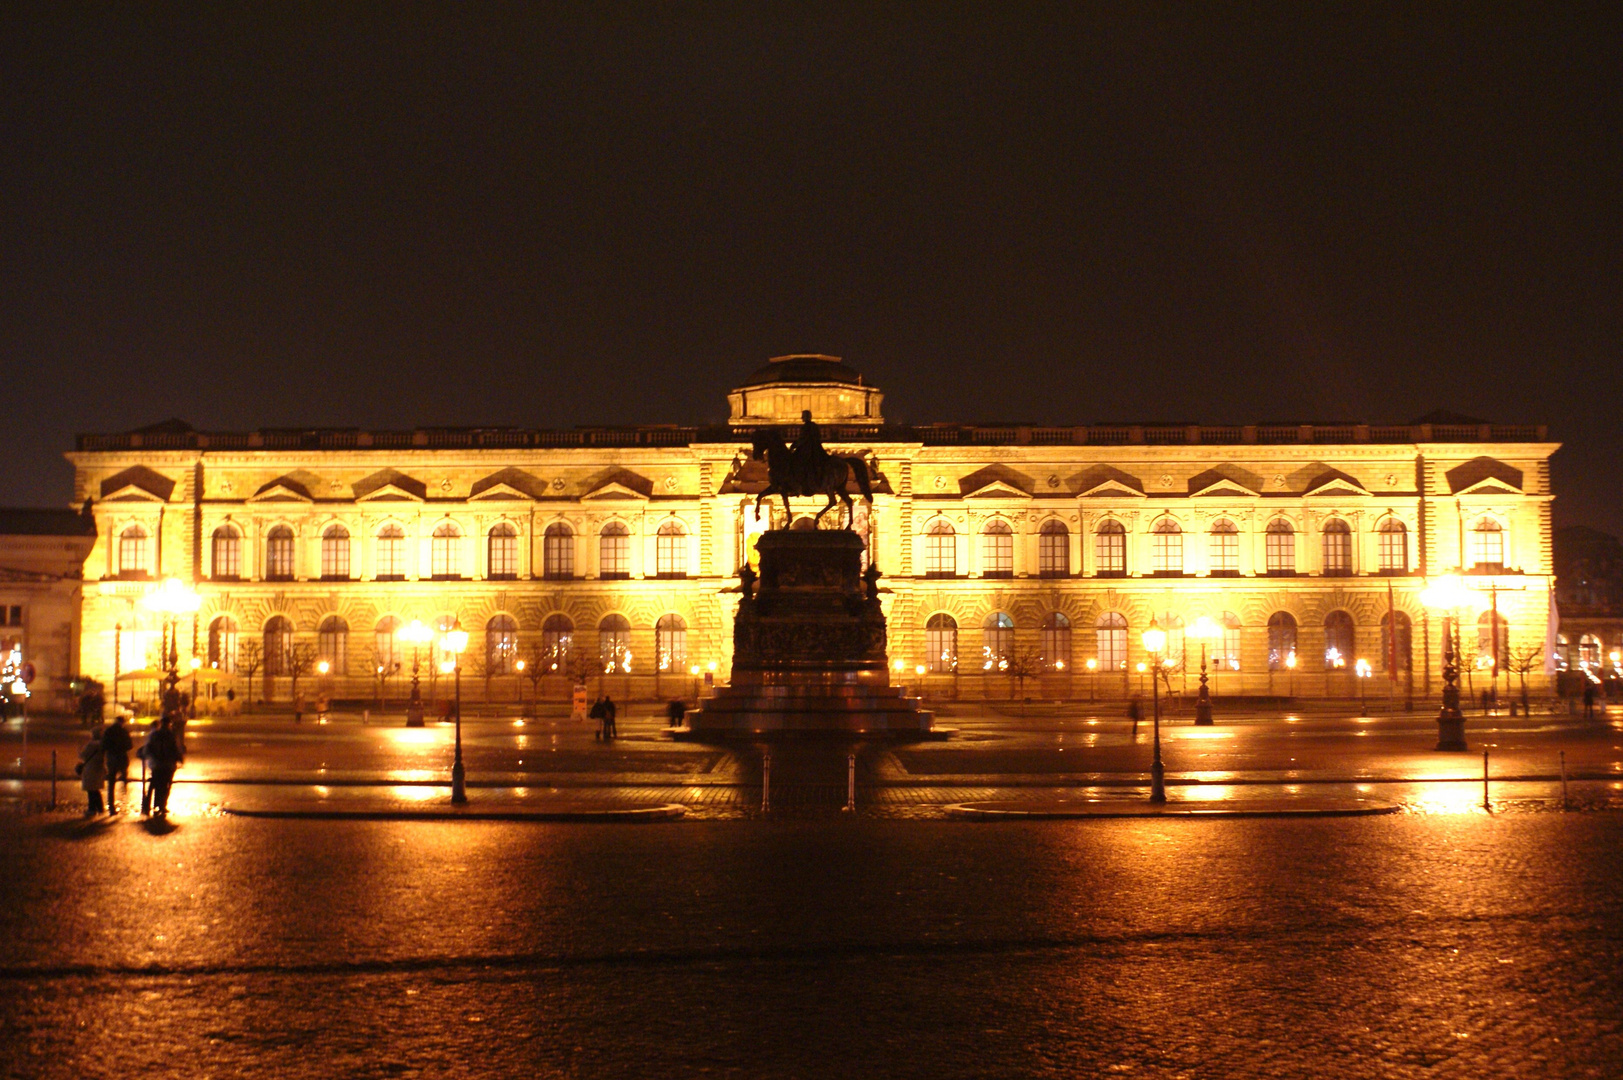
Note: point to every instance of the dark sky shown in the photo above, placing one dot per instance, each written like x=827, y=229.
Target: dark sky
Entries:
x=389, y=215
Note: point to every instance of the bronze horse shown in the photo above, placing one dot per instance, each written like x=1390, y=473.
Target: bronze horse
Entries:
x=790, y=472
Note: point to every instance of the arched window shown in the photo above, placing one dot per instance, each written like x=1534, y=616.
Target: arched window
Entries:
x=1589, y=651
x=1281, y=641
x=671, y=549
x=671, y=643
x=940, y=550
x=558, y=551
x=227, y=560
x=501, y=645
x=1340, y=645
x=557, y=634
x=1392, y=546
x=1110, y=551
x=1110, y=635
x=279, y=554
x=1056, y=641
x=133, y=552
x=998, y=648
x=501, y=546
x=614, y=644
x=445, y=551
x=1280, y=547
x=332, y=644
x=1488, y=546
x=1337, y=548
x=1166, y=551
x=997, y=550
x=1054, y=549
x=1563, y=653
x=386, y=645
x=1397, y=649
x=391, y=553
x=278, y=645
x=941, y=644
x=335, y=553
x=1493, y=641
x=223, y=644
x=1224, y=548
x=1226, y=649
x=614, y=551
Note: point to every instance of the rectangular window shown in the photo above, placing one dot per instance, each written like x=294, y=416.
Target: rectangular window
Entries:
x=1394, y=551
x=279, y=558
x=391, y=558
x=1112, y=642
x=940, y=555
x=558, y=556
x=227, y=558
x=1168, y=552
x=1281, y=551
x=446, y=556
x=503, y=556
x=997, y=552
x=1111, y=552
x=1337, y=553
x=1225, y=553
x=615, y=555
x=335, y=557
x=671, y=554
x=1054, y=554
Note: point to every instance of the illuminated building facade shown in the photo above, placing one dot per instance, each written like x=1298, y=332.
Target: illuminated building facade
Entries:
x=1006, y=550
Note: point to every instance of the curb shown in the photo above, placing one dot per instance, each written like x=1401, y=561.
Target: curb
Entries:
x=1011, y=810
x=626, y=815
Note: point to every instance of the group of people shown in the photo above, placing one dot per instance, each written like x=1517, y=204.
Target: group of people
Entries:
x=104, y=760
x=603, y=711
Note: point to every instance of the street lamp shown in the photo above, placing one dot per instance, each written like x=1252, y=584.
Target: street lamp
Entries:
x=1155, y=639
x=1448, y=595
x=453, y=642
x=1205, y=629
x=171, y=600
x=1362, y=668
x=418, y=634
x=523, y=706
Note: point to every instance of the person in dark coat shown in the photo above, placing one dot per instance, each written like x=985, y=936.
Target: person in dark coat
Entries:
x=609, y=730
x=676, y=711
x=596, y=713
x=1589, y=699
x=116, y=746
x=163, y=758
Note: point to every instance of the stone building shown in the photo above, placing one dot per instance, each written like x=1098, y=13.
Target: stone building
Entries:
x=42, y=553
x=1005, y=549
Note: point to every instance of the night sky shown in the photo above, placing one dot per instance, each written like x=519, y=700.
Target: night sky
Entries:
x=543, y=215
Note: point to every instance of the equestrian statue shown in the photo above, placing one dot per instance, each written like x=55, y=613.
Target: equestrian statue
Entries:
x=806, y=469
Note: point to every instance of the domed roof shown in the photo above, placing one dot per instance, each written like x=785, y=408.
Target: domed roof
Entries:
x=803, y=368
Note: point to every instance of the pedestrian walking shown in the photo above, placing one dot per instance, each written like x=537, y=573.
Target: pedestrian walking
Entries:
x=163, y=757
x=676, y=712
x=596, y=713
x=116, y=746
x=92, y=770
x=609, y=729
x=1589, y=699
x=1133, y=713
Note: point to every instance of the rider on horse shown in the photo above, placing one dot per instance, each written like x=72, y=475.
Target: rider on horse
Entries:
x=808, y=454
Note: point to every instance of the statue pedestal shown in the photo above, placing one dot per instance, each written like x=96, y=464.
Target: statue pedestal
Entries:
x=809, y=650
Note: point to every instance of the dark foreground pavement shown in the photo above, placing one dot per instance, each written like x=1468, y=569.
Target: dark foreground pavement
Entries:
x=1415, y=945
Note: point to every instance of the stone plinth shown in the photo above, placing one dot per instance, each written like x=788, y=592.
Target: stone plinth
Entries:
x=809, y=648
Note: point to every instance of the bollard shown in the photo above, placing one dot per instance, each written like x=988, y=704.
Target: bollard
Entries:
x=850, y=782
x=366, y=717
x=766, y=782
x=1485, y=804
x=53, y=779
x=146, y=796
x=1563, y=779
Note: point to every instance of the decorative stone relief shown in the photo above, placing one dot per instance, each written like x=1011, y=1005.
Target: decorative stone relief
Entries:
x=445, y=485
x=1053, y=481
x=940, y=483
x=670, y=483
x=1166, y=480
x=558, y=483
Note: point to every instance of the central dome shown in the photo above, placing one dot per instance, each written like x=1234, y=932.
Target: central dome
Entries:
x=778, y=391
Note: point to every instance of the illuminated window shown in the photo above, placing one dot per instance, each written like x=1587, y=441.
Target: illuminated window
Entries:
x=1392, y=546
x=1224, y=549
x=501, y=645
x=1226, y=649
x=1589, y=651
x=1488, y=546
x=557, y=634
x=132, y=552
x=671, y=643
x=1280, y=547
x=1340, y=647
x=279, y=554
x=386, y=646
x=1281, y=641
x=1396, y=652
x=1054, y=549
x=999, y=643
x=335, y=552
x=940, y=550
x=1166, y=552
x=1056, y=642
x=558, y=551
x=1563, y=653
x=391, y=553
x=445, y=551
x=1337, y=548
x=671, y=550
x=614, y=551
x=941, y=644
x=223, y=644
x=502, y=551
x=1110, y=551
x=1111, y=640
x=614, y=644
x=997, y=550
x=278, y=645
x=332, y=643
x=1493, y=640
x=227, y=560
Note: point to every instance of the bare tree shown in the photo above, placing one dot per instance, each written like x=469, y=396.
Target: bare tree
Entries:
x=384, y=667
x=301, y=658
x=1021, y=666
x=1523, y=661
x=250, y=658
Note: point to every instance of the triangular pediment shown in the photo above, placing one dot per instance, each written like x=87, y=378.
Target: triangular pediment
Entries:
x=509, y=483
x=997, y=489
x=1224, y=489
x=130, y=493
x=1110, y=489
x=1490, y=485
x=498, y=492
x=138, y=483
x=389, y=493
x=282, y=490
x=619, y=484
x=613, y=489
x=1225, y=481
x=995, y=481
x=1485, y=476
x=1335, y=483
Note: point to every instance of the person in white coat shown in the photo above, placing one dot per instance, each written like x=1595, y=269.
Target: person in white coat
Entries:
x=93, y=771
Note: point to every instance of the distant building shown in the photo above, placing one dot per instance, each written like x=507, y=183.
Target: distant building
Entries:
x=615, y=551
x=1589, y=597
x=42, y=554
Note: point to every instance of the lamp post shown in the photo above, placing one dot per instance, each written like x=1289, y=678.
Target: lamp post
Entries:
x=518, y=675
x=1362, y=668
x=1205, y=629
x=171, y=600
x=1447, y=595
x=1093, y=678
x=1155, y=639
x=416, y=633
x=453, y=642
